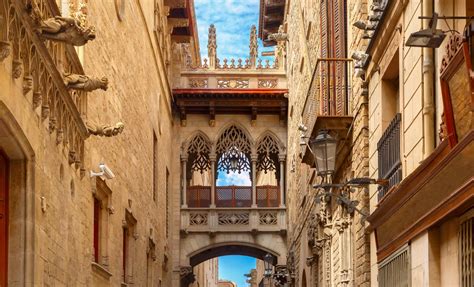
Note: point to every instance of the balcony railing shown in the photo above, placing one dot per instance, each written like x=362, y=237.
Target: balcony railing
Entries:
x=199, y=196
x=233, y=196
x=329, y=90
x=268, y=196
x=388, y=148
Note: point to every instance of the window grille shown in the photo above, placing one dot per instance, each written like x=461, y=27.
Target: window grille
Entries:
x=388, y=147
x=395, y=270
x=466, y=252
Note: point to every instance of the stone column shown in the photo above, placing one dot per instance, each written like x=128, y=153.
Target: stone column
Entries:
x=184, y=161
x=253, y=158
x=212, y=158
x=281, y=158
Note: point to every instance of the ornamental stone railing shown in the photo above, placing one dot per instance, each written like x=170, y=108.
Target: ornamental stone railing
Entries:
x=40, y=64
x=248, y=73
x=233, y=220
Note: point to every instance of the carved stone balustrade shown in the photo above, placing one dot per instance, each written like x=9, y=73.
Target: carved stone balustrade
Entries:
x=211, y=220
x=40, y=64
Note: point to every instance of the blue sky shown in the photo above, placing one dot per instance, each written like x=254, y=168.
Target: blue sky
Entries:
x=234, y=267
x=233, y=20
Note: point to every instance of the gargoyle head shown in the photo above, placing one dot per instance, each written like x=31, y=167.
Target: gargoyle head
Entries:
x=104, y=83
x=89, y=33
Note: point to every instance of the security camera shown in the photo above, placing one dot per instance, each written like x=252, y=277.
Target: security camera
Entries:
x=302, y=128
x=104, y=171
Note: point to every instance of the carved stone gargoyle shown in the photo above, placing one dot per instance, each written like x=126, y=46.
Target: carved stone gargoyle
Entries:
x=67, y=30
x=85, y=83
x=105, y=130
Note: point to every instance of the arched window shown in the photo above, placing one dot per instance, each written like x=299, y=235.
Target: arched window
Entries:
x=198, y=172
x=233, y=185
x=233, y=151
x=268, y=172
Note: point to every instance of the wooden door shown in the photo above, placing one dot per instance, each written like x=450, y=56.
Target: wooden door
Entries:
x=3, y=220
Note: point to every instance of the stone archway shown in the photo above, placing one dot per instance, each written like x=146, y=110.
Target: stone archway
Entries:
x=231, y=249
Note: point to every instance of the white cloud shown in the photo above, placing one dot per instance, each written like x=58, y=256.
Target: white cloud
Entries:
x=233, y=178
x=233, y=20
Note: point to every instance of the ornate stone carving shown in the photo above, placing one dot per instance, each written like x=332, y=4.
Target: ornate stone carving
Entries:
x=268, y=218
x=212, y=46
x=105, y=130
x=67, y=30
x=27, y=84
x=186, y=275
x=443, y=133
x=85, y=83
x=234, y=218
x=233, y=83
x=452, y=47
x=279, y=36
x=198, y=83
x=253, y=46
x=17, y=68
x=79, y=13
x=36, y=99
x=198, y=219
x=267, y=83
x=198, y=151
x=233, y=148
x=5, y=50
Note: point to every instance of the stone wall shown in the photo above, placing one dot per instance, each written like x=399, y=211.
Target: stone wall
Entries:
x=127, y=53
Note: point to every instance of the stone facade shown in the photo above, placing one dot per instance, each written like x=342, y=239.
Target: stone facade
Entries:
x=327, y=245
x=51, y=191
x=406, y=80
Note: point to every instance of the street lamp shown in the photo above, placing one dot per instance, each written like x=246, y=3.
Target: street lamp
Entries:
x=323, y=148
x=427, y=38
x=267, y=263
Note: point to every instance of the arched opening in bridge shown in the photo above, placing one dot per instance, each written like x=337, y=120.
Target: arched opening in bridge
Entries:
x=229, y=263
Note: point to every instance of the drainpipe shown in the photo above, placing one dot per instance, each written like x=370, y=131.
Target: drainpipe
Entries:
x=428, y=90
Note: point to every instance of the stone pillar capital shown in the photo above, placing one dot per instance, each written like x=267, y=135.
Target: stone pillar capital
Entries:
x=184, y=157
x=281, y=157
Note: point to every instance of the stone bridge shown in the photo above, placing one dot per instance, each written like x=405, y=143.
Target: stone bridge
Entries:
x=233, y=141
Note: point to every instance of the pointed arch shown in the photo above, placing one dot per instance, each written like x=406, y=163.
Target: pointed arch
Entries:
x=233, y=149
x=237, y=125
x=269, y=134
x=197, y=148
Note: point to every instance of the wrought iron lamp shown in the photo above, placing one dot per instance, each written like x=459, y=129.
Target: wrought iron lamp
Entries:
x=323, y=148
x=267, y=262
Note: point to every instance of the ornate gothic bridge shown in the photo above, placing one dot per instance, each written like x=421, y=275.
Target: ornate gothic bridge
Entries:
x=233, y=157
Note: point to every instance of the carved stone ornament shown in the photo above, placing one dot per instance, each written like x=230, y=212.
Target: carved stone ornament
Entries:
x=280, y=275
x=280, y=36
x=5, y=50
x=17, y=69
x=451, y=49
x=443, y=133
x=27, y=84
x=105, y=130
x=186, y=275
x=85, y=83
x=67, y=30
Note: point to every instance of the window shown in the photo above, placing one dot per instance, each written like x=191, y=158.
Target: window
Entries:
x=128, y=246
x=96, y=229
x=101, y=197
x=388, y=147
x=155, y=167
x=395, y=270
x=466, y=250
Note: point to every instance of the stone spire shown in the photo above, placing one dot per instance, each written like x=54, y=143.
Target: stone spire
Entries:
x=212, y=46
x=253, y=46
